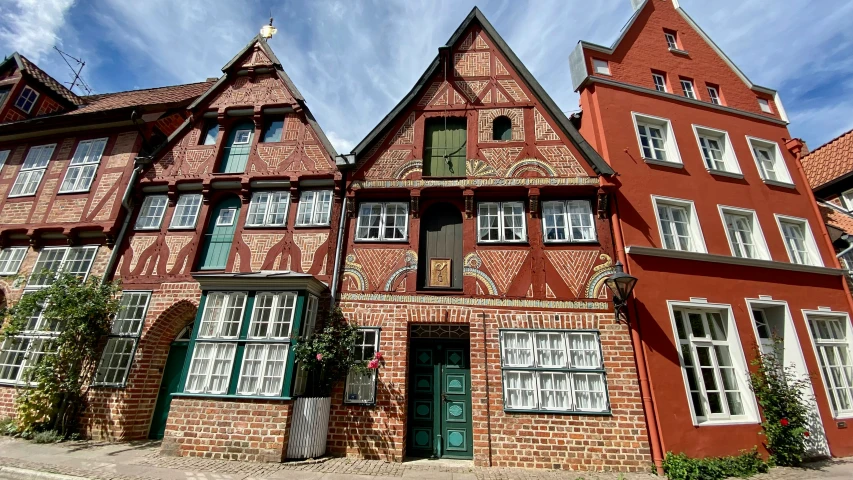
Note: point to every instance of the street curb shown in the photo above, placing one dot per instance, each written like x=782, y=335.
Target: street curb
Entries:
x=40, y=475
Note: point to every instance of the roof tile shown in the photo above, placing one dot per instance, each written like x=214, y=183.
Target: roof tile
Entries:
x=40, y=75
x=829, y=161
x=836, y=218
x=150, y=96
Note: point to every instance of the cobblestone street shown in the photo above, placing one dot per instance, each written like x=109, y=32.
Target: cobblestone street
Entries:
x=136, y=461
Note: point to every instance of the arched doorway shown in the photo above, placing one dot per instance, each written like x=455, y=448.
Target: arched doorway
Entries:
x=441, y=238
x=170, y=383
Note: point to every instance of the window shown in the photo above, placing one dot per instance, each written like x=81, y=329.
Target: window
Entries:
x=744, y=233
x=84, y=164
x=315, y=207
x=770, y=162
x=262, y=371
x=553, y=370
x=687, y=88
x=678, y=224
x=226, y=217
x=717, y=151
x=10, y=260
x=4, y=154
x=27, y=99
x=445, y=141
x=268, y=209
x=713, y=365
x=121, y=344
x=210, y=368
x=211, y=131
x=186, y=211
x=272, y=129
x=671, y=40
x=236, y=150
x=53, y=260
x=500, y=222
x=832, y=340
x=20, y=353
x=764, y=105
x=151, y=213
x=765, y=333
x=714, y=95
x=799, y=241
x=847, y=200
x=502, y=129
x=4, y=92
x=660, y=82
x=656, y=141
x=382, y=221
x=361, y=387
x=32, y=170
x=568, y=221
x=310, y=316
x=600, y=66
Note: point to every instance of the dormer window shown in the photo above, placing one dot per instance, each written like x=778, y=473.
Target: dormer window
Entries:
x=502, y=129
x=764, y=104
x=671, y=40
x=27, y=99
x=600, y=66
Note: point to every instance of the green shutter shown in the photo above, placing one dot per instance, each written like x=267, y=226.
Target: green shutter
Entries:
x=444, y=147
x=235, y=157
x=218, y=238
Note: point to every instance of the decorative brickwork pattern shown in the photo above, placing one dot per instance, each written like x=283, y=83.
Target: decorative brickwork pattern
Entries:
x=109, y=181
x=499, y=68
x=514, y=90
x=308, y=244
x=499, y=97
x=122, y=151
x=106, y=210
x=175, y=244
x=574, y=266
x=264, y=89
x=503, y=265
x=387, y=164
x=473, y=64
x=292, y=126
x=260, y=246
x=256, y=58
x=562, y=159
x=471, y=88
x=274, y=155
x=487, y=116
x=318, y=158
x=48, y=106
x=197, y=160
x=501, y=158
x=378, y=263
x=139, y=244
x=406, y=134
x=543, y=129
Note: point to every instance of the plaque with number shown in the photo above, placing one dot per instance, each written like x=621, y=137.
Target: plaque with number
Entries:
x=439, y=272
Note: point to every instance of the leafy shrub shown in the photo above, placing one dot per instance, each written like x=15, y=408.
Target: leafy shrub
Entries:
x=8, y=427
x=47, y=436
x=681, y=467
x=329, y=354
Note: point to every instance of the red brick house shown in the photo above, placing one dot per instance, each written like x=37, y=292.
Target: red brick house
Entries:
x=716, y=220
x=477, y=242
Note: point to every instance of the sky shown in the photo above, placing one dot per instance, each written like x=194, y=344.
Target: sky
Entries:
x=353, y=60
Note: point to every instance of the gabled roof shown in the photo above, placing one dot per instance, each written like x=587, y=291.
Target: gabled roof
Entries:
x=30, y=68
x=148, y=96
x=282, y=75
x=830, y=161
x=598, y=164
x=836, y=217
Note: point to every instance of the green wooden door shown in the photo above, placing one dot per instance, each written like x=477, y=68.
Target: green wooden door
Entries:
x=220, y=234
x=444, y=147
x=237, y=146
x=170, y=384
x=439, y=420
x=441, y=237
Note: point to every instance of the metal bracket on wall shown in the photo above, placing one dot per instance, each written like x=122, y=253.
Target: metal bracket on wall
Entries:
x=469, y=202
x=603, y=199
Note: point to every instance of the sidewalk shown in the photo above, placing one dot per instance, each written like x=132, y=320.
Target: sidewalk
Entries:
x=20, y=459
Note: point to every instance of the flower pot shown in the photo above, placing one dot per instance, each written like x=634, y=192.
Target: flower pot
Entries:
x=309, y=427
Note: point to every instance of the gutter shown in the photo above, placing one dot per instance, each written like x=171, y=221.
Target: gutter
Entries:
x=125, y=203
x=339, y=246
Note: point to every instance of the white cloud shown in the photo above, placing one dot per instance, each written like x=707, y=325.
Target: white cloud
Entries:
x=30, y=26
x=341, y=144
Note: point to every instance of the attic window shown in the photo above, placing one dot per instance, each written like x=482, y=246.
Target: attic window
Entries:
x=671, y=40
x=211, y=131
x=765, y=105
x=502, y=129
x=27, y=99
x=272, y=129
x=600, y=66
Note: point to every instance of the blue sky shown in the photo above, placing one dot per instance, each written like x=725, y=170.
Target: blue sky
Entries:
x=354, y=60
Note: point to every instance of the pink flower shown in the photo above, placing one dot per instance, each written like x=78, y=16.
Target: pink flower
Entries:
x=319, y=356
x=806, y=434
x=378, y=355
x=784, y=422
x=373, y=364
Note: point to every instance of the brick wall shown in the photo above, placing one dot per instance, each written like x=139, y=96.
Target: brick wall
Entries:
x=574, y=442
x=253, y=430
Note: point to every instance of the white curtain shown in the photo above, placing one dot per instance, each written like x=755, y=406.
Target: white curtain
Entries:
x=589, y=391
x=518, y=349
x=220, y=371
x=274, y=370
x=554, y=390
x=519, y=390
x=550, y=349
x=584, y=348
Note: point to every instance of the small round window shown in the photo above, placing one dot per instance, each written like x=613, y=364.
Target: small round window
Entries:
x=502, y=128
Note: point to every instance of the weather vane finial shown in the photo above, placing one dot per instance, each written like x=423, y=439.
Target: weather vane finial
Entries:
x=267, y=31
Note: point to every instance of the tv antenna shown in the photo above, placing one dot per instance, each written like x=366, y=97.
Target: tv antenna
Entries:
x=77, y=80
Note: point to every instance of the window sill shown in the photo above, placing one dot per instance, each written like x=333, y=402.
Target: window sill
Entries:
x=323, y=225
x=724, y=173
x=185, y=229
x=376, y=240
x=570, y=242
x=724, y=423
x=607, y=413
x=777, y=183
x=71, y=192
x=257, y=227
x=223, y=396
x=439, y=291
x=110, y=386
x=663, y=163
x=678, y=51
x=499, y=243
x=21, y=195
x=359, y=404
x=148, y=229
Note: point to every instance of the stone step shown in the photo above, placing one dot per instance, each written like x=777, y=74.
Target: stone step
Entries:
x=12, y=473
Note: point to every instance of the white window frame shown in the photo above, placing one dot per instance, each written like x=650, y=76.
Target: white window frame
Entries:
x=673, y=156
x=808, y=239
x=659, y=82
x=307, y=214
x=111, y=359
x=764, y=105
x=671, y=40
x=357, y=380
x=566, y=366
x=205, y=374
x=738, y=359
x=731, y=164
x=847, y=200
x=275, y=381
x=282, y=303
x=220, y=324
x=62, y=263
x=83, y=162
x=568, y=225
x=37, y=168
x=32, y=99
x=269, y=208
x=187, y=201
x=601, y=67
x=780, y=167
x=11, y=259
x=501, y=220
x=758, y=240
x=688, y=89
x=697, y=239
x=4, y=155
x=145, y=216
x=844, y=318
x=238, y=133
x=383, y=218
x=34, y=349
x=714, y=95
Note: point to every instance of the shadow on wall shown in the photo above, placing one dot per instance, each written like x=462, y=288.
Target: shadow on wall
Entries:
x=376, y=433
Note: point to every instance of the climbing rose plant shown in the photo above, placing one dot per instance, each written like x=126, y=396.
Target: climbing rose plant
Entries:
x=52, y=393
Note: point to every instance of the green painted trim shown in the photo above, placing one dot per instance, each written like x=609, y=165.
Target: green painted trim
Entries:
x=237, y=366
x=191, y=346
x=295, y=330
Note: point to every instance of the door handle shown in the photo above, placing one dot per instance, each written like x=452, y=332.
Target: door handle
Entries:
x=444, y=397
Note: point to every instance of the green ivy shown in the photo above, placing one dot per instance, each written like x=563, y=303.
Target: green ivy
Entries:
x=329, y=354
x=780, y=393
x=681, y=467
x=53, y=394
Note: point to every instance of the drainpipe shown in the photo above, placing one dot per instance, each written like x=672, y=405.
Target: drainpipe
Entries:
x=339, y=247
x=649, y=409
x=125, y=203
